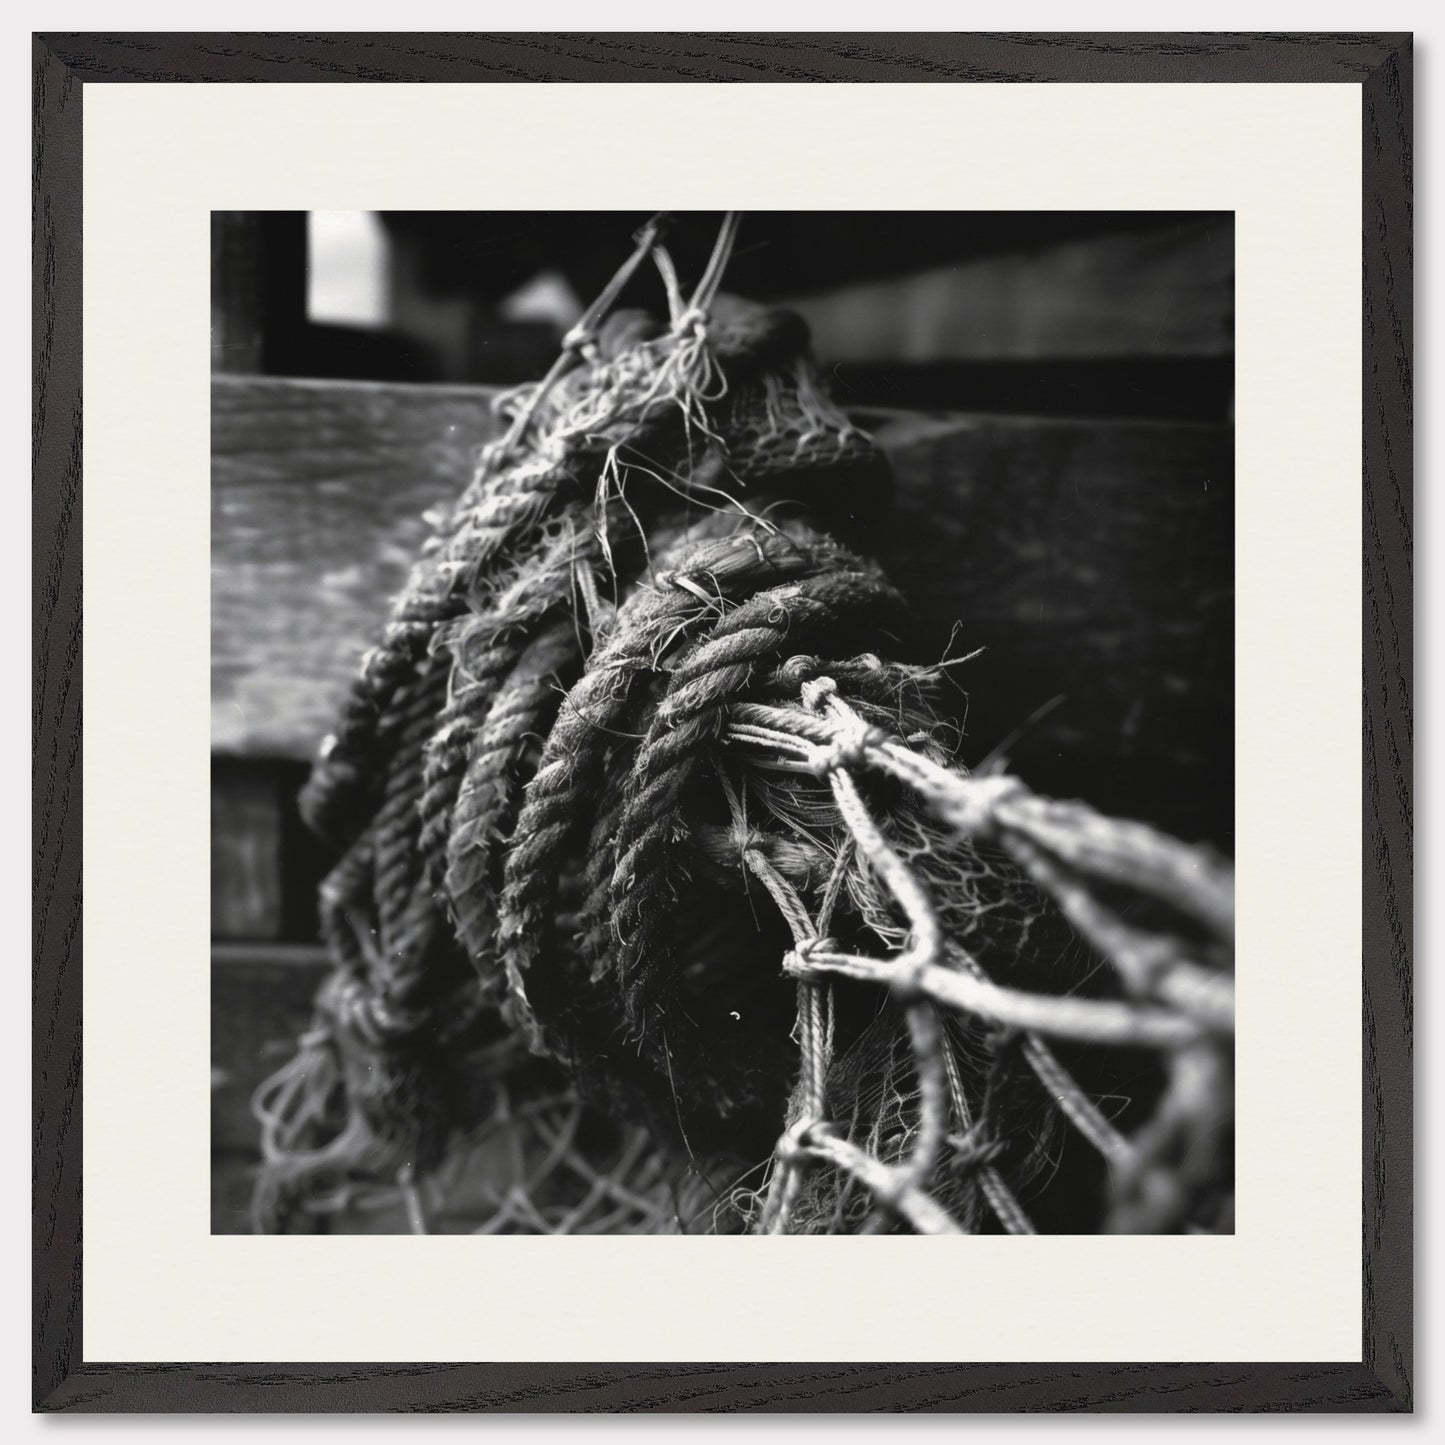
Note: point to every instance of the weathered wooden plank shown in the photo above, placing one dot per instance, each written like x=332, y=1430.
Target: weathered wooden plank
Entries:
x=237, y=320
x=318, y=491
x=229, y=952
x=246, y=862
x=258, y=288
x=1093, y=561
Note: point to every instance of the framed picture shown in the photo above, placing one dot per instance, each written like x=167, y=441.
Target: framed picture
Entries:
x=784, y=624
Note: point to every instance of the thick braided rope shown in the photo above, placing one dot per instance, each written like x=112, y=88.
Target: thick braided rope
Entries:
x=594, y=918
x=594, y=938
x=412, y=922
x=500, y=509
x=409, y=917
x=728, y=1080
x=385, y=725
x=345, y=909
x=522, y=709
x=483, y=649
x=386, y=885
x=593, y=922
x=396, y=826
x=638, y=393
x=559, y=796
x=687, y=724
x=594, y=838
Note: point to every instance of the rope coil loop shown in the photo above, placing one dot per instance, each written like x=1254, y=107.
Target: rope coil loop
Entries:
x=659, y=878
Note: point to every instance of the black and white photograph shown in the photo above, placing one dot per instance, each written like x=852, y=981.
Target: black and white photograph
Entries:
x=722, y=723
x=775, y=634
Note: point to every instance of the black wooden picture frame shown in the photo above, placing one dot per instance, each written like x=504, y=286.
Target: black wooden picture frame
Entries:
x=1380, y=66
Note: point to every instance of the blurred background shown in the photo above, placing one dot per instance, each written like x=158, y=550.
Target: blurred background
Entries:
x=1101, y=313
x=1054, y=390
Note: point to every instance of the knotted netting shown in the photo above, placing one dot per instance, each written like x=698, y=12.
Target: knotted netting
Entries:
x=663, y=903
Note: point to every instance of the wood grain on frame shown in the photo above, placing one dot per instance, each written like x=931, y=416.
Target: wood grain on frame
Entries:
x=1379, y=64
x=1388, y=882
x=939, y=58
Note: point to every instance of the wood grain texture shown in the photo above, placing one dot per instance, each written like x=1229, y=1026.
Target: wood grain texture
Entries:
x=246, y=854
x=55, y=722
x=1092, y=560
x=1388, y=632
x=781, y=56
x=237, y=307
x=62, y=1380
x=317, y=496
x=258, y=288
x=1094, y=564
x=724, y=1388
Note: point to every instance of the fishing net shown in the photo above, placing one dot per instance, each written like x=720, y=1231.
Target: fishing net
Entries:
x=663, y=904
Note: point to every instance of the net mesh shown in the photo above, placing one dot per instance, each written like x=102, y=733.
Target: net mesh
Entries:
x=663, y=903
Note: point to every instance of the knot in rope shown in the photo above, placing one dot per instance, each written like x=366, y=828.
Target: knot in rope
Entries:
x=905, y=983
x=799, y=1142
x=692, y=322
x=973, y=807
x=849, y=749
x=801, y=959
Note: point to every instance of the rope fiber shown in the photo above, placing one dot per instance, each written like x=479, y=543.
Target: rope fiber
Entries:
x=663, y=903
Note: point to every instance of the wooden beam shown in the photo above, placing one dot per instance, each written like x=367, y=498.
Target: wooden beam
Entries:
x=1093, y=561
x=318, y=491
x=246, y=854
x=237, y=320
x=258, y=288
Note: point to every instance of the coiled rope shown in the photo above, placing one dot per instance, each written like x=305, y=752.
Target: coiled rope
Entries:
x=657, y=865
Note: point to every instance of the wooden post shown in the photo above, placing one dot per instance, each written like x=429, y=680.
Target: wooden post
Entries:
x=258, y=289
